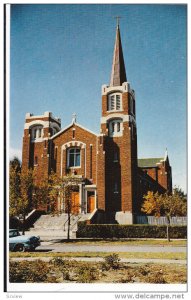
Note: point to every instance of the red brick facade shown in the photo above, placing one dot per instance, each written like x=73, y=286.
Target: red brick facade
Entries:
x=112, y=181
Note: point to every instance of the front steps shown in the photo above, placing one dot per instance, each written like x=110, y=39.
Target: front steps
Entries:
x=57, y=225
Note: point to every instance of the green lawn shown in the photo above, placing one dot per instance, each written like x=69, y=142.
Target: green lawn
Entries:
x=130, y=242
x=135, y=255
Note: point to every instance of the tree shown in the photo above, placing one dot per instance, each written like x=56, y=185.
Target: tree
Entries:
x=152, y=205
x=25, y=193
x=15, y=163
x=54, y=191
x=40, y=194
x=182, y=195
x=24, y=203
x=69, y=185
x=14, y=185
x=20, y=191
x=46, y=192
x=165, y=205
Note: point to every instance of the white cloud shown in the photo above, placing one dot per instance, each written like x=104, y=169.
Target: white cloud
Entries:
x=15, y=152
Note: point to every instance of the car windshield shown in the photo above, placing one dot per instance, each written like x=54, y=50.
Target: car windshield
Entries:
x=13, y=233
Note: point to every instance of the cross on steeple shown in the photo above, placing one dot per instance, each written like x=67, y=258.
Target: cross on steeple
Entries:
x=74, y=116
x=117, y=19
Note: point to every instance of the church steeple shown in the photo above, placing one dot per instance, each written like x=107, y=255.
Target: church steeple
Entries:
x=118, y=74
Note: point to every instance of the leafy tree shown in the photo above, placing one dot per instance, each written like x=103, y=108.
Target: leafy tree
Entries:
x=15, y=163
x=25, y=193
x=24, y=202
x=40, y=193
x=181, y=194
x=54, y=191
x=165, y=205
x=14, y=185
x=152, y=204
x=46, y=192
x=69, y=185
x=20, y=190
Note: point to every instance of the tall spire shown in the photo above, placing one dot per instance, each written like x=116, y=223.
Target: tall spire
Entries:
x=166, y=155
x=118, y=74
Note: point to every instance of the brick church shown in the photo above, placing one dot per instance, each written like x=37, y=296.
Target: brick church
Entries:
x=112, y=179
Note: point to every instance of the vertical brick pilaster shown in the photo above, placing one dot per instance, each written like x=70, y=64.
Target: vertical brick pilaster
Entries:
x=26, y=151
x=101, y=174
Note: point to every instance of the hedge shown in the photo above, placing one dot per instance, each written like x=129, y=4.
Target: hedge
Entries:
x=128, y=231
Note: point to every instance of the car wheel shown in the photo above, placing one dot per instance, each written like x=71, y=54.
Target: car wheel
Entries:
x=32, y=249
x=20, y=248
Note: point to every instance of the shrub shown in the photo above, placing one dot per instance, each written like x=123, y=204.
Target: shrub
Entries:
x=65, y=267
x=58, y=262
x=87, y=274
x=126, y=279
x=156, y=278
x=143, y=271
x=27, y=271
x=111, y=262
x=129, y=231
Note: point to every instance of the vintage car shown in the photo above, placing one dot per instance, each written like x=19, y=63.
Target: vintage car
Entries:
x=18, y=242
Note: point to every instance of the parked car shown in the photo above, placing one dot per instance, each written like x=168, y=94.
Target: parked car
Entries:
x=18, y=242
x=13, y=233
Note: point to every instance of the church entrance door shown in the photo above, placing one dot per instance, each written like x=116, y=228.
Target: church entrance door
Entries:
x=75, y=209
x=91, y=203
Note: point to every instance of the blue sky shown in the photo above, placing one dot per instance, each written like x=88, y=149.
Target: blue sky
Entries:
x=61, y=55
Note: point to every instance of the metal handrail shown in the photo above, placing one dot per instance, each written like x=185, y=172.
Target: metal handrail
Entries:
x=67, y=221
x=79, y=217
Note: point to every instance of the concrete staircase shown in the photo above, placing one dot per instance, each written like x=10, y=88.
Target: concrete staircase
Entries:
x=57, y=226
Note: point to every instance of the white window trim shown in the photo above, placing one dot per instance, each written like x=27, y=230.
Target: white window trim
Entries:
x=115, y=102
x=68, y=158
x=67, y=145
x=39, y=136
x=115, y=133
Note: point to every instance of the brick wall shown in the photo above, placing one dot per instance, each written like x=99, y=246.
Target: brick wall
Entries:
x=124, y=171
x=87, y=143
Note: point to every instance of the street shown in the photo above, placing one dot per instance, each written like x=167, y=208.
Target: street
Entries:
x=74, y=247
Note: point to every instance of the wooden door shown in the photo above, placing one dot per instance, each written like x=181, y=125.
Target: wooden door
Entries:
x=75, y=203
x=91, y=203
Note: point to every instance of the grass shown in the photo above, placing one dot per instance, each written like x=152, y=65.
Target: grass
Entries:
x=71, y=271
x=130, y=242
x=133, y=255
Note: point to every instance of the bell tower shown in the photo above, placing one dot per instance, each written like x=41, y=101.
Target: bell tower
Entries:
x=118, y=127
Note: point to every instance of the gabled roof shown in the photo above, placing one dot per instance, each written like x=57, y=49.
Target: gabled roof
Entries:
x=70, y=125
x=118, y=74
x=149, y=162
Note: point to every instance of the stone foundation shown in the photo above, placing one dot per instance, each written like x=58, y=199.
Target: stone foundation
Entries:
x=124, y=218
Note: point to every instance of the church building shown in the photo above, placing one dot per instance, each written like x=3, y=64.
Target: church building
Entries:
x=112, y=180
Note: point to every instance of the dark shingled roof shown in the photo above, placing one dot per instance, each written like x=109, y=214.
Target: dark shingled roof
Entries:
x=148, y=162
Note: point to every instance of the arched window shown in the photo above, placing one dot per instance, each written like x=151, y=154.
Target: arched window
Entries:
x=73, y=157
x=114, y=102
x=115, y=127
x=37, y=132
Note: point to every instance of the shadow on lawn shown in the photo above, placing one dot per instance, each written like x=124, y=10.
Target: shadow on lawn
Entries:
x=76, y=241
x=42, y=250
